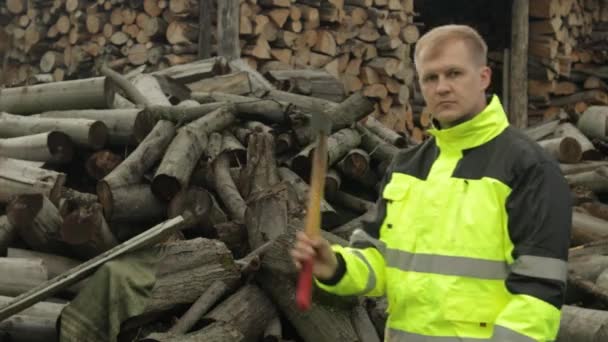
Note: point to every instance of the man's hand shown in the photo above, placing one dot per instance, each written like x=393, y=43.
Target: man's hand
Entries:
x=319, y=251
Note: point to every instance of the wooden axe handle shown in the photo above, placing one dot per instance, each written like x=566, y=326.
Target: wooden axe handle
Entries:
x=313, y=219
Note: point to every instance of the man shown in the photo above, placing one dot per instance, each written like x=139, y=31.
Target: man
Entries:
x=471, y=237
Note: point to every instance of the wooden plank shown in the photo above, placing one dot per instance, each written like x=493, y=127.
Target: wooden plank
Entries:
x=518, y=102
x=228, y=29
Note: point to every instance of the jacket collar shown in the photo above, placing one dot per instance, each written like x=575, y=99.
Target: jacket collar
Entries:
x=482, y=128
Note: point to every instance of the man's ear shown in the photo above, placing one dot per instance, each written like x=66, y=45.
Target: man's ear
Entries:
x=486, y=77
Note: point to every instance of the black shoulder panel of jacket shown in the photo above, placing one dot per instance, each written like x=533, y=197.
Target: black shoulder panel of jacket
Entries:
x=415, y=161
x=539, y=207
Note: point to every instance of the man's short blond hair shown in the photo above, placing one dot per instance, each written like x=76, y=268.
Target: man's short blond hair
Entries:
x=432, y=41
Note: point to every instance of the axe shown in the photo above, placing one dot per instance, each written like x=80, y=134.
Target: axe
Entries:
x=321, y=126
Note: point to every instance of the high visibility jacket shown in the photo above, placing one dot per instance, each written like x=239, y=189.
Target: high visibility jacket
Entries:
x=471, y=239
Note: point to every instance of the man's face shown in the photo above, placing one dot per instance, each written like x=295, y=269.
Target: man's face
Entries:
x=453, y=83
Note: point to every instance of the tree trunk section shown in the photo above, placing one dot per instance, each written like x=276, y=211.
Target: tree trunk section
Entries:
x=202, y=205
x=8, y=233
x=19, y=177
x=24, y=274
x=38, y=222
x=594, y=122
x=36, y=324
x=132, y=169
x=87, y=232
x=564, y=149
x=119, y=122
x=96, y=93
x=132, y=203
x=51, y=147
x=596, y=181
x=581, y=324
x=84, y=132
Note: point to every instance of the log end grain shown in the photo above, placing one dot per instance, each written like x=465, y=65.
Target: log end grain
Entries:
x=22, y=210
x=98, y=135
x=101, y=163
x=144, y=123
x=570, y=150
x=61, y=147
x=110, y=92
x=165, y=187
x=77, y=227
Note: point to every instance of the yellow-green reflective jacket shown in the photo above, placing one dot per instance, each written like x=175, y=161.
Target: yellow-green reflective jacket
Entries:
x=471, y=238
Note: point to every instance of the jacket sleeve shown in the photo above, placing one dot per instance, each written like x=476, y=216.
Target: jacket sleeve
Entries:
x=361, y=266
x=539, y=221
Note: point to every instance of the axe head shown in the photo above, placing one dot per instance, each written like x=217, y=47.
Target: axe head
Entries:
x=320, y=124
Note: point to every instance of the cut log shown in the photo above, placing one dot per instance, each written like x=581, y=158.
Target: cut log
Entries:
x=226, y=187
x=384, y=132
x=52, y=147
x=44, y=290
x=202, y=205
x=78, y=94
x=37, y=221
x=567, y=129
x=596, y=180
x=132, y=203
x=364, y=325
x=8, y=233
x=564, y=149
x=101, y=163
x=582, y=167
x=228, y=29
x=594, y=122
x=192, y=72
x=132, y=169
x=176, y=166
x=25, y=274
x=87, y=232
x=586, y=228
x=581, y=324
x=217, y=116
x=19, y=177
x=89, y=133
x=235, y=83
x=36, y=324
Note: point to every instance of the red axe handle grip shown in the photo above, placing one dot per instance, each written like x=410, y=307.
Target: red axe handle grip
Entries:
x=304, y=290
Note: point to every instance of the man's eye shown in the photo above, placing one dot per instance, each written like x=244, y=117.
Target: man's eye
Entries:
x=429, y=78
x=453, y=73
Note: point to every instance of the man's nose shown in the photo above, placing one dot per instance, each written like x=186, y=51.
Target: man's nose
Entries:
x=443, y=85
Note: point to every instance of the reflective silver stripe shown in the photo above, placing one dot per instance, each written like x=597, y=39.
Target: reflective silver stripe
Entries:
x=505, y=334
x=371, y=278
x=541, y=267
x=446, y=265
x=360, y=236
x=501, y=334
x=393, y=335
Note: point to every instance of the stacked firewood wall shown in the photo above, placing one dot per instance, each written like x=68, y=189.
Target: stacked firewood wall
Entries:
x=568, y=39
x=358, y=44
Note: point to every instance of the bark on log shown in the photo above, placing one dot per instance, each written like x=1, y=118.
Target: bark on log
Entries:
x=22, y=275
x=87, y=232
x=273, y=331
x=378, y=149
x=594, y=122
x=55, y=264
x=187, y=270
x=202, y=205
x=586, y=228
x=321, y=323
x=384, y=132
x=132, y=92
x=249, y=311
x=132, y=169
x=363, y=325
x=329, y=216
x=541, y=131
x=192, y=72
x=581, y=324
x=88, y=133
x=52, y=147
x=176, y=167
x=38, y=222
x=223, y=115
x=92, y=93
x=235, y=83
x=19, y=177
x=132, y=203
x=352, y=202
x=568, y=129
x=8, y=233
x=250, y=108
x=228, y=29
x=596, y=181
x=226, y=188
x=118, y=121
x=597, y=209
x=564, y=149
x=36, y=324
x=584, y=166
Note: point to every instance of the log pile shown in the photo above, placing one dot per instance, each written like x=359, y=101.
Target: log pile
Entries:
x=356, y=45
x=567, y=47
